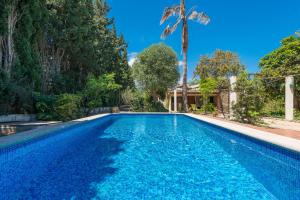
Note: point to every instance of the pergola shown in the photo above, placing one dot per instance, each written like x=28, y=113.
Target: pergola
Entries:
x=193, y=95
x=193, y=91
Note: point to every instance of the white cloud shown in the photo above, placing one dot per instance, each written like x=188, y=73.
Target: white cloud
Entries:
x=131, y=61
x=132, y=58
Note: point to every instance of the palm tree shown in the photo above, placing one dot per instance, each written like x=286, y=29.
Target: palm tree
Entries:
x=180, y=12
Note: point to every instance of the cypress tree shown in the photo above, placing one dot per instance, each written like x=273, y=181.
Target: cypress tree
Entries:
x=57, y=44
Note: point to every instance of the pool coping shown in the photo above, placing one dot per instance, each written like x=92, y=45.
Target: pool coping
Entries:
x=282, y=141
x=279, y=140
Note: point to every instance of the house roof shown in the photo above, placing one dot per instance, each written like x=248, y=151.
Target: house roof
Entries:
x=192, y=90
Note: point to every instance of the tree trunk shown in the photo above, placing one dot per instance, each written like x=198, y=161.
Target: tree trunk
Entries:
x=51, y=61
x=8, y=42
x=184, y=51
x=10, y=48
x=184, y=83
x=1, y=52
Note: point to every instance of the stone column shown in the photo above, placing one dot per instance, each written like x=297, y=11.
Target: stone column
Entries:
x=175, y=100
x=289, y=98
x=170, y=103
x=232, y=95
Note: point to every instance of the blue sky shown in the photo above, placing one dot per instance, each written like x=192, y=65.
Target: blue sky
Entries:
x=250, y=28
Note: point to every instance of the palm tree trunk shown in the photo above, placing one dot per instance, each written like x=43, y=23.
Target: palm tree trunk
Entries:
x=184, y=83
x=184, y=51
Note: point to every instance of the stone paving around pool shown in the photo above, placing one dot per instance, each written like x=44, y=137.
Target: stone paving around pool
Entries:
x=277, y=126
x=286, y=138
x=283, y=124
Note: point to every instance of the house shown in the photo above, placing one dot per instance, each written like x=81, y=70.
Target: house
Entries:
x=175, y=100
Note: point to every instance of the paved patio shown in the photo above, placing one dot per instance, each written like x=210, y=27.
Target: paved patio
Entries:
x=285, y=138
x=276, y=126
x=282, y=124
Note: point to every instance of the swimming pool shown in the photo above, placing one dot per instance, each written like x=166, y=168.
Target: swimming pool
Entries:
x=148, y=157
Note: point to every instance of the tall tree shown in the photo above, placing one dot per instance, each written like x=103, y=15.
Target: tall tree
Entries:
x=52, y=46
x=111, y=48
x=182, y=17
x=220, y=67
x=10, y=14
x=156, y=69
x=281, y=62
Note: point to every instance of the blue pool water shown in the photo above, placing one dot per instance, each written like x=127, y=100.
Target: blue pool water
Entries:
x=148, y=157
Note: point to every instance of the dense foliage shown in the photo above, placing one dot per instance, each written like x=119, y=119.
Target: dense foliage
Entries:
x=142, y=102
x=275, y=66
x=99, y=91
x=68, y=107
x=207, y=88
x=250, y=101
x=281, y=62
x=156, y=70
x=219, y=67
x=53, y=47
x=274, y=107
x=221, y=64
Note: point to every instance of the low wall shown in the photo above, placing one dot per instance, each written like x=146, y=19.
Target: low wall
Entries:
x=17, y=118
x=101, y=110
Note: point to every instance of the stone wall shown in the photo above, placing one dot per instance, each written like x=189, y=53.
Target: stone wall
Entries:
x=101, y=110
x=17, y=118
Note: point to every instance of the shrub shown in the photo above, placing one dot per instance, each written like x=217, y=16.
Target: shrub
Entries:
x=207, y=108
x=68, y=107
x=138, y=102
x=16, y=96
x=251, y=97
x=127, y=96
x=297, y=114
x=45, y=107
x=207, y=88
x=100, y=91
x=151, y=105
x=274, y=108
x=145, y=103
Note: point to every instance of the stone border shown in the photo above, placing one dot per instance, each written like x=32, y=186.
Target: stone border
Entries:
x=282, y=141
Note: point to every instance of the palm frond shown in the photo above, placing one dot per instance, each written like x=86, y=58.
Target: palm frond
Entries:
x=174, y=27
x=168, y=12
x=200, y=17
x=166, y=32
